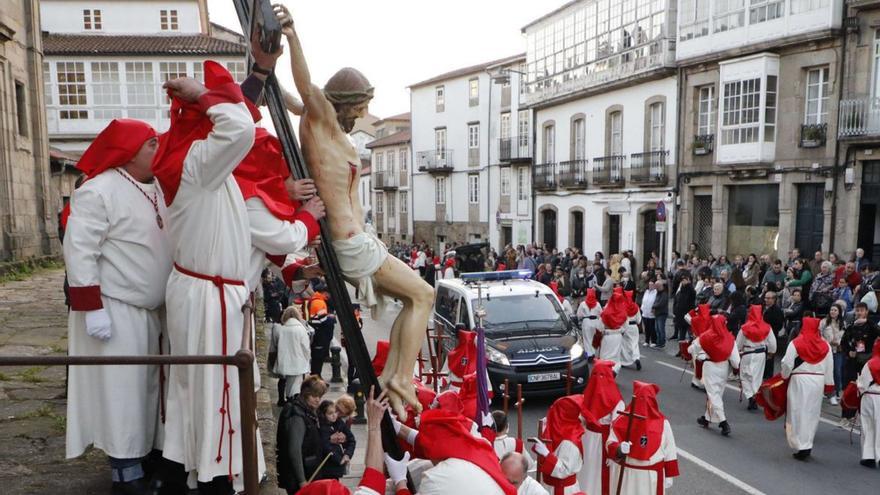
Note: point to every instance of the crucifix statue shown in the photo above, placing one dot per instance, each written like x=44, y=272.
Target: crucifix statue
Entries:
x=329, y=114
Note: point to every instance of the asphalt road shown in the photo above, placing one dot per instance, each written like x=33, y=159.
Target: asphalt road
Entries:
x=754, y=459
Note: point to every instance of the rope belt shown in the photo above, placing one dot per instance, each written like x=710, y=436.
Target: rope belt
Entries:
x=657, y=468
x=758, y=350
x=225, y=410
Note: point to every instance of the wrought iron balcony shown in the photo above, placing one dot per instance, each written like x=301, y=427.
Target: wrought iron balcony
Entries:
x=385, y=180
x=648, y=168
x=544, y=177
x=813, y=135
x=704, y=144
x=859, y=117
x=515, y=148
x=573, y=174
x=435, y=161
x=608, y=171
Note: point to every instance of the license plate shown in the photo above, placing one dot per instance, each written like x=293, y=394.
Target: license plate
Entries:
x=543, y=377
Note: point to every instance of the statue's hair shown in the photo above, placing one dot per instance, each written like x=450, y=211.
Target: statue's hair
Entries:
x=348, y=87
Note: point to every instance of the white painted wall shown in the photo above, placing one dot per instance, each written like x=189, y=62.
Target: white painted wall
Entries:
x=119, y=16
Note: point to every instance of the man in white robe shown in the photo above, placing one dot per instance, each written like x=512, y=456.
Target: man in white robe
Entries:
x=630, y=354
x=562, y=460
x=614, y=320
x=868, y=384
x=118, y=258
x=210, y=234
x=809, y=366
x=515, y=467
x=601, y=404
x=588, y=314
x=721, y=357
x=756, y=343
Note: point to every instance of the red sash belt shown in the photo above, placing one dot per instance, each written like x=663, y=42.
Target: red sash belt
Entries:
x=807, y=373
x=225, y=410
x=560, y=484
x=657, y=468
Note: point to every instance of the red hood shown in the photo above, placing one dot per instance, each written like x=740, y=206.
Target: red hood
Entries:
x=601, y=395
x=262, y=174
x=755, y=328
x=614, y=314
x=717, y=340
x=810, y=345
x=646, y=434
x=564, y=422
x=462, y=360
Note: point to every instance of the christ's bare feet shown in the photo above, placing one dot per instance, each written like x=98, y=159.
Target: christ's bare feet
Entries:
x=401, y=392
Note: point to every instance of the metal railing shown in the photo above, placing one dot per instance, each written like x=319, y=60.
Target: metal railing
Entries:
x=703, y=144
x=544, y=177
x=608, y=170
x=813, y=135
x=573, y=174
x=648, y=167
x=859, y=117
x=435, y=160
x=384, y=179
x=515, y=148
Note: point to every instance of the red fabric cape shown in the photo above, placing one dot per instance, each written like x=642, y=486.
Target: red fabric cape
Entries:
x=449, y=401
x=554, y=286
x=717, y=340
x=382, y=349
x=564, y=422
x=755, y=328
x=324, y=487
x=874, y=362
x=773, y=397
x=189, y=123
x=468, y=396
x=116, y=145
x=444, y=435
x=590, y=300
x=632, y=308
x=701, y=319
x=646, y=434
x=463, y=359
x=614, y=313
x=810, y=345
x=262, y=174
x=601, y=395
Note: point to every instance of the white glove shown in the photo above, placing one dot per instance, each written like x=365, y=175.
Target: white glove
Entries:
x=397, y=469
x=396, y=424
x=668, y=483
x=487, y=420
x=541, y=449
x=98, y=324
x=624, y=447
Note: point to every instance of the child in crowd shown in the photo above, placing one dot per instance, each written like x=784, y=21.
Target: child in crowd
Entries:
x=337, y=440
x=346, y=409
x=289, y=353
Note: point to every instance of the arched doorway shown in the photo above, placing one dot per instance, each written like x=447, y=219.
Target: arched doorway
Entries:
x=548, y=221
x=576, y=230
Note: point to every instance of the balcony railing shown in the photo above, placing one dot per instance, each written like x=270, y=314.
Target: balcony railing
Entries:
x=608, y=171
x=385, y=180
x=545, y=177
x=435, y=161
x=515, y=148
x=813, y=135
x=859, y=117
x=648, y=168
x=573, y=174
x=704, y=144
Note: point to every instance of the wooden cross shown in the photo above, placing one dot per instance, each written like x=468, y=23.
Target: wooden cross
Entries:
x=506, y=394
x=541, y=423
x=632, y=416
x=568, y=378
x=519, y=407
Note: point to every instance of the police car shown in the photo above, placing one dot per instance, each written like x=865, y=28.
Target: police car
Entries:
x=529, y=338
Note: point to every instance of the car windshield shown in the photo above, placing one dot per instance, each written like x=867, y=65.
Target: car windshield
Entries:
x=521, y=312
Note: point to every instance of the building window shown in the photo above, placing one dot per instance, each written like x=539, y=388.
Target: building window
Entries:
x=505, y=125
x=578, y=139
x=473, y=189
x=440, y=141
x=404, y=157
x=440, y=190
x=169, y=71
x=392, y=162
x=801, y=6
x=380, y=162
x=694, y=19
x=522, y=184
x=199, y=71
x=753, y=219
x=21, y=108
x=105, y=90
x=549, y=154
x=729, y=14
x=391, y=207
x=505, y=181
x=71, y=89
x=379, y=203
x=741, y=119
x=140, y=88
x=474, y=92
x=615, y=121
x=238, y=70
x=656, y=125
x=168, y=20
x=522, y=127
x=473, y=136
x=404, y=202
x=765, y=10
x=770, y=111
x=47, y=82
x=92, y=20
x=816, y=111
x=440, y=97
x=706, y=110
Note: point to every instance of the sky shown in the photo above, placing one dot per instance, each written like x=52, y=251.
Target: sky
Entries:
x=396, y=43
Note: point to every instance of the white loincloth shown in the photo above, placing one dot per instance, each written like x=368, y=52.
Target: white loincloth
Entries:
x=360, y=257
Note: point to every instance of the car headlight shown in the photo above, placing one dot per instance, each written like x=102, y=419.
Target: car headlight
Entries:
x=576, y=351
x=496, y=356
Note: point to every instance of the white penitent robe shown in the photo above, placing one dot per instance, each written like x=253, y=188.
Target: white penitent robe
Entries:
x=505, y=444
x=531, y=487
x=590, y=479
x=590, y=324
x=459, y=477
x=696, y=382
x=751, y=370
x=211, y=236
x=117, y=257
x=629, y=350
x=561, y=467
x=271, y=235
x=715, y=380
x=869, y=414
x=805, y=392
x=612, y=346
x=643, y=477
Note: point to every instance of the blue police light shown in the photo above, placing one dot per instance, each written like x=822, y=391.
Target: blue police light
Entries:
x=495, y=276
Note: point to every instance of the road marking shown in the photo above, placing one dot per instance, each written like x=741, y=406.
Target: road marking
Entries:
x=833, y=423
x=742, y=485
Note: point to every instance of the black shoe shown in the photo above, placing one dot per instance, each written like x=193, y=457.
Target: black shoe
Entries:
x=802, y=455
x=661, y=346
x=695, y=387
x=753, y=404
x=702, y=421
x=638, y=365
x=136, y=487
x=870, y=463
x=725, y=428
